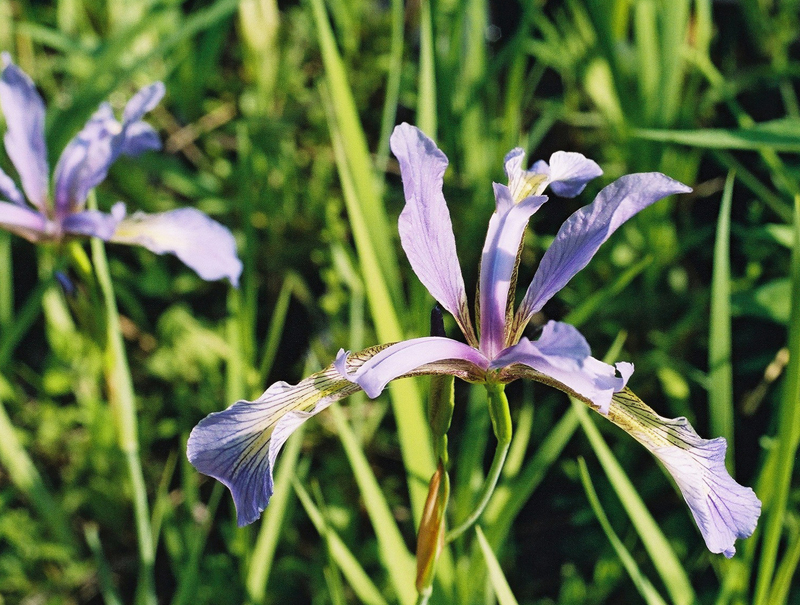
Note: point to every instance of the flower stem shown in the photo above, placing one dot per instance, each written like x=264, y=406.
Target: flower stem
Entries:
x=121, y=398
x=501, y=422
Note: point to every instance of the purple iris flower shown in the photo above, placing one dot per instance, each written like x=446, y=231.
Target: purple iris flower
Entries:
x=238, y=446
x=200, y=242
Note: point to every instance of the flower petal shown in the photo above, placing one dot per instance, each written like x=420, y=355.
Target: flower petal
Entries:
x=93, y=223
x=499, y=263
x=143, y=101
x=583, y=233
x=8, y=189
x=561, y=358
x=199, y=241
x=570, y=172
x=85, y=160
x=139, y=137
x=238, y=446
x=524, y=183
x=418, y=356
x=23, y=221
x=23, y=109
x=426, y=232
x=722, y=509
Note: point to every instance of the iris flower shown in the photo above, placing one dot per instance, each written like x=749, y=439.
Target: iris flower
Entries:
x=238, y=446
x=200, y=242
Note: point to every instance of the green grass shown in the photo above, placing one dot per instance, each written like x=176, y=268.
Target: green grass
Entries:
x=276, y=123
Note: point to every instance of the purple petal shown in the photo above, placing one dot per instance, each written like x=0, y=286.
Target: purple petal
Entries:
x=199, y=241
x=143, y=101
x=8, y=189
x=25, y=222
x=499, y=264
x=722, y=509
x=24, y=112
x=139, y=137
x=93, y=223
x=85, y=160
x=583, y=233
x=561, y=358
x=570, y=172
x=411, y=357
x=238, y=446
x=426, y=232
x=524, y=183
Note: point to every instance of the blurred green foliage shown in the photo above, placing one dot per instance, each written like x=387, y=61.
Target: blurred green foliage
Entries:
x=276, y=123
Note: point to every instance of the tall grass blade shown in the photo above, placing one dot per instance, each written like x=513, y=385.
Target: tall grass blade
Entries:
x=788, y=435
x=396, y=558
x=643, y=585
x=354, y=573
x=501, y=588
x=662, y=555
x=720, y=371
x=263, y=553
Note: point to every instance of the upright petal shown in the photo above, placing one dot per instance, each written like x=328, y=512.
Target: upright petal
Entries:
x=144, y=101
x=582, y=234
x=499, y=263
x=567, y=174
x=562, y=359
x=23, y=221
x=199, y=241
x=23, y=109
x=426, y=232
x=418, y=356
x=570, y=172
x=722, y=509
x=85, y=160
x=238, y=446
x=8, y=189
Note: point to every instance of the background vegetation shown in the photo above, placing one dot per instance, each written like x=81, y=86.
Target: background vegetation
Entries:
x=276, y=123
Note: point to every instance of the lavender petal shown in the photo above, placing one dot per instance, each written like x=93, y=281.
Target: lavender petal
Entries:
x=23, y=109
x=239, y=446
x=93, y=223
x=722, y=509
x=561, y=358
x=499, y=263
x=8, y=189
x=429, y=355
x=582, y=234
x=199, y=241
x=25, y=222
x=426, y=232
x=570, y=172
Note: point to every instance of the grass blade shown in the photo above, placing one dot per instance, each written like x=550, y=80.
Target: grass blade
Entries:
x=720, y=371
x=496, y=576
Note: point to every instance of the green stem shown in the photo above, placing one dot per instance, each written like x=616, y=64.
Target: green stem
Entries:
x=121, y=397
x=501, y=422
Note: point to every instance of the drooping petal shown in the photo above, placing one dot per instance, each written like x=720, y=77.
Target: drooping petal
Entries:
x=238, y=446
x=8, y=190
x=428, y=355
x=498, y=266
x=23, y=221
x=561, y=358
x=85, y=160
x=582, y=234
x=199, y=241
x=426, y=231
x=23, y=109
x=569, y=172
x=722, y=509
